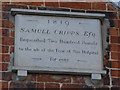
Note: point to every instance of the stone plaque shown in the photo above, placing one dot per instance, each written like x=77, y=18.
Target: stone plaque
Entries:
x=59, y=44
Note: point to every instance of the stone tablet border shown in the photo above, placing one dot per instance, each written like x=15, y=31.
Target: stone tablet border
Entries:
x=56, y=13
x=64, y=14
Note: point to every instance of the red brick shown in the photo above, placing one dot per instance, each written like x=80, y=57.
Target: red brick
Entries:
x=3, y=84
x=19, y=1
x=0, y=15
x=0, y=23
x=115, y=64
x=119, y=31
x=0, y=49
x=0, y=32
x=40, y=86
x=0, y=75
x=11, y=49
x=53, y=78
x=32, y=77
x=115, y=47
x=114, y=31
x=119, y=15
x=0, y=6
x=4, y=49
x=7, y=24
x=4, y=15
x=6, y=76
x=5, y=32
x=7, y=40
x=1, y=40
x=115, y=56
x=17, y=84
x=12, y=33
x=49, y=86
x=111, y=7
x=0, y=58
x=3, y=66
x=51, y=4
x=22, y=84
x=76, y=5
x=72, y=86
x=78, y=79
x=5, y=58
x=117, y=23
x=7, y=7
x=29, y=3
x=116, y=15
x=99, y=6
x=30, y=85
x=115, y=39
x=116, y=81
x=115, y=73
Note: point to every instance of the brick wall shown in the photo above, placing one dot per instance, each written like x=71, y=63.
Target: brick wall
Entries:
x=9, y=79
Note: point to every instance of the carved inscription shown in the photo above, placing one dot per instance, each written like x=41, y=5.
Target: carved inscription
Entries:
x=58, y=42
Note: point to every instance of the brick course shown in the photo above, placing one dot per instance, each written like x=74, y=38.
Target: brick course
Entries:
x=115, y=73
x=5, y=58
x=114, y=32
